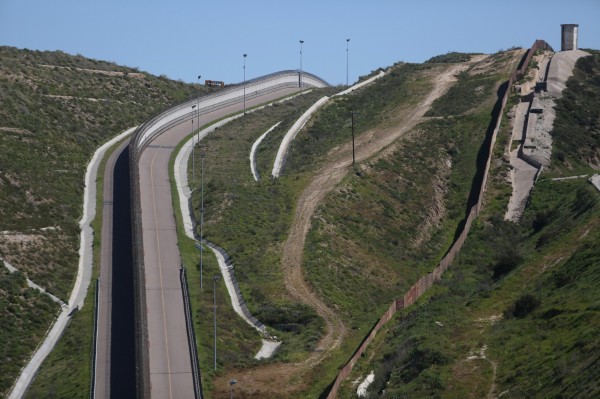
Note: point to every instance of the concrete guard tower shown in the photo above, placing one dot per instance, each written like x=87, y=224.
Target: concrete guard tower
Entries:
x=569, y=36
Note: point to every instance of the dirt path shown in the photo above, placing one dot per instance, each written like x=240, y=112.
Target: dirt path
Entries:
x=283, y=379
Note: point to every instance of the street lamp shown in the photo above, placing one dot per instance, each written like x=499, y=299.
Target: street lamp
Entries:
x=193, y=151
x=215, y=279
x=300, y=81
x=353, y=158
x=245, y=55
x=232, y=382
x=201, y=214
x=347, y=42
x=199, y=76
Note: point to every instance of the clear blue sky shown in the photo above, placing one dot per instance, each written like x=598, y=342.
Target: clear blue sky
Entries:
x=185, y=38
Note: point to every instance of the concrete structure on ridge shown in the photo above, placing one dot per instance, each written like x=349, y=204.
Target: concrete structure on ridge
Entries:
x=569, y=36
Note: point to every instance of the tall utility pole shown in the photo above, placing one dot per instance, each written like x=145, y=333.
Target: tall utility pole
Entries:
x=300, y=82
x=199, y=76
x=353, y=159
x=202, y=187
x=215, y=279
x=245, y=55
x=347, y=43
x=193, y=151
x=201, y=215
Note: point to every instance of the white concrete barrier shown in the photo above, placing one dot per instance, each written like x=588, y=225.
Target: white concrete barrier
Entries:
x=235, y=94
x=299, y=124
x=291, y=135
x=255, y=148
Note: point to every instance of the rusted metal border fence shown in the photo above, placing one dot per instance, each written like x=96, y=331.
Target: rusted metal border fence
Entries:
x=425, y=282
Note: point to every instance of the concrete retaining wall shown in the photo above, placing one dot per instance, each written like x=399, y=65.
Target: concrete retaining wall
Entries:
x=425, y=282
x=253, y=88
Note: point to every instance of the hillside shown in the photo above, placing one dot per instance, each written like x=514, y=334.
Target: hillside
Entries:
x=56, y=109
x=362, y=227
x=516, y=316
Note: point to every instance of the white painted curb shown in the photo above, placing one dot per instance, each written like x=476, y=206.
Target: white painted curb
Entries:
x=253, y=151
x=291, y=135
x=299, y=124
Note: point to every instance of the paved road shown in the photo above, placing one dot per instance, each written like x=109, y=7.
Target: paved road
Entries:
x=170, y=365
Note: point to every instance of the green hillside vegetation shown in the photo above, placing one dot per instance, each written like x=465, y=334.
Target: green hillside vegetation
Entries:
x=369, y=219
x=577, y=126
x=56, y=110
x=517, y=314
x=249, y=219
x=392, y=221
x=21, y=309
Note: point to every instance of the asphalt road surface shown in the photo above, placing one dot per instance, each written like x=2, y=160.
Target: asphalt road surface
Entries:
x=170, y=364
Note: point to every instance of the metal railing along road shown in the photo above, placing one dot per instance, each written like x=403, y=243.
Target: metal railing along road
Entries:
x=95, y=341
x=140, y=139
x=254, y=88
x=189, y=323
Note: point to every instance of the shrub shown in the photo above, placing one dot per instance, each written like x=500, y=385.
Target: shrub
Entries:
x=542, y=219
x=507, y=262
x=420, y=360
x=451, y=57
x=522, y=306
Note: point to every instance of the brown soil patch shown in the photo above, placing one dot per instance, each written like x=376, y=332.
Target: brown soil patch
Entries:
x=436, y=211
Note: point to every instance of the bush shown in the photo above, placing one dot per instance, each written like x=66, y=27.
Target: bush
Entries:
x=420, y=360
x=452, y=57
x=506, y=263
x=522, y=306
x=542, y=219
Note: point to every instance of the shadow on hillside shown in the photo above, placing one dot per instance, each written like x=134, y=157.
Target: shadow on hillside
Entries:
x=482, y=157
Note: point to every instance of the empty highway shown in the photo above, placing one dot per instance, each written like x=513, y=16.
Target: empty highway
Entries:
x=170, y=374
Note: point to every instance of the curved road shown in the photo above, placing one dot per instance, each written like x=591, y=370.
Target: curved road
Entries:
x=169, y=357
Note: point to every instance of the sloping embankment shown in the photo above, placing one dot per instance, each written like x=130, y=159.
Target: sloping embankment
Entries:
x=476, y=198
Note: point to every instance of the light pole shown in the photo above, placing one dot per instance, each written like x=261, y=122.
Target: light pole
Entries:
x=347, y=43
x=353, y=160
x=201, y=215
x=215, y=279
x=245, y=55
x=300, y=82
x=193, y=151
x=199, y=76
x=232, y=382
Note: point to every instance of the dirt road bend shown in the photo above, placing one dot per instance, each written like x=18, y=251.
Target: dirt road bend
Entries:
x=325, y=180
x=288, y=376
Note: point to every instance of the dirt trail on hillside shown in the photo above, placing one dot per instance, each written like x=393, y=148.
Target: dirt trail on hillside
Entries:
x=281, y=380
